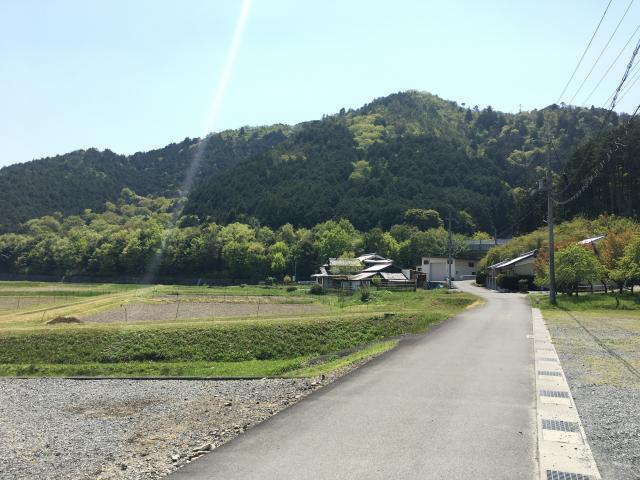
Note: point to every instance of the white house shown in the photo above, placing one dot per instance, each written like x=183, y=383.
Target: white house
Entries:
x=437, y=268
x=362, y=272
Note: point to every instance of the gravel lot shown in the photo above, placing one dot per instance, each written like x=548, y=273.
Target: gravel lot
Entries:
x=142, y=312
x=122, y=429
x=605, y=389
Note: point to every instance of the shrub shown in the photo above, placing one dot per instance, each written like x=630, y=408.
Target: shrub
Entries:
x=365, y=295
x=481, y=278
x=291, y=288
x=523, y=285
x=286, y=280
x=316, y=290
x=512, y=282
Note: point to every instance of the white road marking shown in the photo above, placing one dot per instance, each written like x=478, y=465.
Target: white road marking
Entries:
x=557, y=450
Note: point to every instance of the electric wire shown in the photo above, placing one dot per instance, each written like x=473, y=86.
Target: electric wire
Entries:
x=633, y=73
x=616, y=144
x=631, y=81
x=611, y=66
x=584, y=53
x=631, y=85
x=601, y=52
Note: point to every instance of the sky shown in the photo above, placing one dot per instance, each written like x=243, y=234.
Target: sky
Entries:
x=135, y=75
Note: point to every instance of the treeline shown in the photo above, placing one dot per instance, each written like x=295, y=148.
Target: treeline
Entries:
x=613, y=261
x=407, y=150
x=134, y=236
x=613, y=159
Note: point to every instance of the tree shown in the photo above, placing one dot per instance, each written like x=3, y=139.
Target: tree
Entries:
x=278, y=263
x=627, y=271
x=423, y=219
x=333, y=239
x=575, y=265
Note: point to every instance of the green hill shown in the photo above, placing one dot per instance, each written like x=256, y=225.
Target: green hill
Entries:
x=406, y=150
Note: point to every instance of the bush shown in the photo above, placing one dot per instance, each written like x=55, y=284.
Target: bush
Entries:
x=291, y=288
x=481, y=278
x=316, y=290
x=512, y=282
x=523, y=285
x=270, y=280
x=365, y=295
x=286, y=280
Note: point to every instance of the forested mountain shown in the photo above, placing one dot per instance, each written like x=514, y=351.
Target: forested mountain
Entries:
x=615, y=156
x=406, y=150
x=86, y=179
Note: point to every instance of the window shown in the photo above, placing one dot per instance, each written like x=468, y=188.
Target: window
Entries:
x=425, y=261
x=471, y=264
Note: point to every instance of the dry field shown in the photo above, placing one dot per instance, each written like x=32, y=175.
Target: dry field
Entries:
x=212, y=309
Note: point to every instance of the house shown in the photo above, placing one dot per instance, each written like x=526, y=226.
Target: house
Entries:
x=362, y=272
x=463, y=267
x=522, y=265
x=437, y=268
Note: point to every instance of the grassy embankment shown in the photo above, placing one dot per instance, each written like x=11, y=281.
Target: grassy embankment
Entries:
x=601, y=332
x=237, y=347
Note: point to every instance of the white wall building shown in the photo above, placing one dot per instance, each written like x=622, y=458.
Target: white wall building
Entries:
x=437, y=269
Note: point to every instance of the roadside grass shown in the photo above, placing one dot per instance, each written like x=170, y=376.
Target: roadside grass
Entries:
x=218, y=342
x=241, y=346
x=298, y=367
x=333, y=364
x=249, y=369
x=589, y=301
x=597, y=336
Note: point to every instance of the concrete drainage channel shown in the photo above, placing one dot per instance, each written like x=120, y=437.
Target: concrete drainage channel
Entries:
x=563, y=451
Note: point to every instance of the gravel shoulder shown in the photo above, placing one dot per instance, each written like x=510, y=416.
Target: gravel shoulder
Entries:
x=599, y=364
x=125, y=429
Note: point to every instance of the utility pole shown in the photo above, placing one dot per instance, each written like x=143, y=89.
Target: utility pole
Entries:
x=549, y=185
x=450, y=251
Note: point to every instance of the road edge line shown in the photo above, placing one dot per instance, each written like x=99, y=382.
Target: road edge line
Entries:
x=562, y=452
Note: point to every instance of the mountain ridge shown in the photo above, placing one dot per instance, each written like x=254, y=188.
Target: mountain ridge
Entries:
x=362, y=164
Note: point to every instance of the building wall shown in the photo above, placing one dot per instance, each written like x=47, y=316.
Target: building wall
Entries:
x=526, y=267
x=437, y=269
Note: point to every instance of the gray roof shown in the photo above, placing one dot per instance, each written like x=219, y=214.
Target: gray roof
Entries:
x=362, y=276
x=344, y=262
x=587, y=241
x=394, y=277
x=378, y=267
x=513, y=261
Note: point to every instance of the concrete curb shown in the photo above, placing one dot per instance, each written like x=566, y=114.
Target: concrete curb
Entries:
x=563, y=451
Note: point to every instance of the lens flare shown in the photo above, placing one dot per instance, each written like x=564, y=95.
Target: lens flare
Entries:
x=201, y=147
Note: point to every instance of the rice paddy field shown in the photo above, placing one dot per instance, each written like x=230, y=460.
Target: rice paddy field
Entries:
x=50, y=329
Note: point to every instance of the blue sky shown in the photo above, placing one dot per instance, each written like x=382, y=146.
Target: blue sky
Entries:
x=135, y=75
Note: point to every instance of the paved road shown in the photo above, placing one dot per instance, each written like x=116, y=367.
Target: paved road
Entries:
x=457, y=403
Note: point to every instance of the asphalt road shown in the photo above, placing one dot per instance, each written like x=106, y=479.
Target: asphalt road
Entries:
x=457, y=403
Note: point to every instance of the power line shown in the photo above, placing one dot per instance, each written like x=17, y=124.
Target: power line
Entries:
x=616, y=144
x=633, y=71
x=611, y=66
x=601, y=52
x=584, y=53
x=637, y=77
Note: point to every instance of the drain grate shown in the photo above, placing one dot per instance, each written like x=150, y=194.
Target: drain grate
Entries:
x=556, y=475
x=554, y=394
x=549, y=373
x=560, y=425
